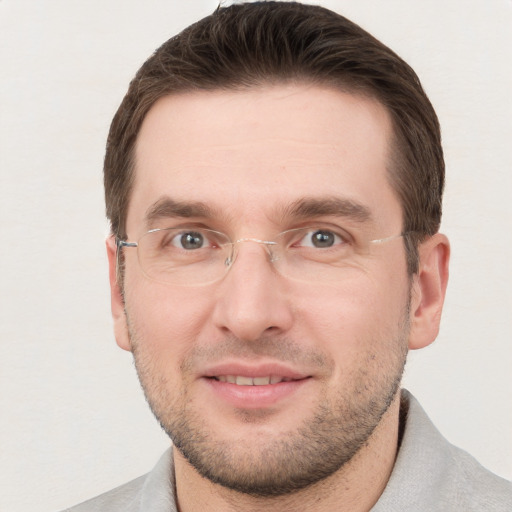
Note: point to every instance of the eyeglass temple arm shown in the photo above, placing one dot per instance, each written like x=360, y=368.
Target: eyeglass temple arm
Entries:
x=124, y=243
x=389, y=238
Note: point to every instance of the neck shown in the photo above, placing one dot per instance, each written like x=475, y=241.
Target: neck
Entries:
x=355, y=487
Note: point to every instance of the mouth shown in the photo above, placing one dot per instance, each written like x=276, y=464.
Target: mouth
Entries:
x=255, y=387
x=241, y=380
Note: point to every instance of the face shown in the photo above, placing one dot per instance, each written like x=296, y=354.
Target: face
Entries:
x=324, y=358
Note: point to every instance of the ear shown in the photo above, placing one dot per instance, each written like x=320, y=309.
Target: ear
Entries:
x=116, y=298
x=428, y=290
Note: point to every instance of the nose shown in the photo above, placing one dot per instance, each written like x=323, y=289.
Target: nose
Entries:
x=252, y=298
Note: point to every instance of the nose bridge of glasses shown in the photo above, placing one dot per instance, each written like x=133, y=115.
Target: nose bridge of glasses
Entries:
x=255, y=240
x=268, y=244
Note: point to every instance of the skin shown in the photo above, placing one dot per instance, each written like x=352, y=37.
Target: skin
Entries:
x=248, y=156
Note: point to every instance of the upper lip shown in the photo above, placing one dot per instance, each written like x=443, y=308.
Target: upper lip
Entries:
x=254, y=370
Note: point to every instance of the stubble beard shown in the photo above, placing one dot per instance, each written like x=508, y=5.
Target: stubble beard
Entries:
x=264, y=466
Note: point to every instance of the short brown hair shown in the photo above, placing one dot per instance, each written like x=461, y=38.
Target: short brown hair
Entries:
x=251, y=44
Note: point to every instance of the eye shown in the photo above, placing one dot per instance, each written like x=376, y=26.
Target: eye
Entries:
x=189, y=240
x=321, y=239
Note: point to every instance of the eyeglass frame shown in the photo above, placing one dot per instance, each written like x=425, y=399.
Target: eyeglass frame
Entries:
x=231, y=260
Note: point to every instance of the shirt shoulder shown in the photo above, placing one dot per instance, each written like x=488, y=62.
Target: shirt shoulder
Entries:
x=151, y=492
x=472, y=487
x=124, y=498
x=432, y=475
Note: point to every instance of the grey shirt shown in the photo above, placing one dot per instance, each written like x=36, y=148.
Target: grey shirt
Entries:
x=430, y=475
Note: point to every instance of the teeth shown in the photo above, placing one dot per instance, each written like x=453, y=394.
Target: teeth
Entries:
x=261, y=381
x=244, y=381
x=250, y=381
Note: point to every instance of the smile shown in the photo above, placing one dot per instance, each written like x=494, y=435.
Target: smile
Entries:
x=240, y=380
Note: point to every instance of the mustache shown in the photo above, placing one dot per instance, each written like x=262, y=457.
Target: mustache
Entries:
x=276, y=348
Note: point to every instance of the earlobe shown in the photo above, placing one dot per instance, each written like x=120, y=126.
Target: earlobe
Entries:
x=116, y=298
x=428, y=291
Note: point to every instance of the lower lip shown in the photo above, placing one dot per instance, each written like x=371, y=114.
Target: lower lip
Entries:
x=255, y=397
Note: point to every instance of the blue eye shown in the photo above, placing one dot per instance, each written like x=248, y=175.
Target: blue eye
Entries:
x=321, y=239
x=189, y=240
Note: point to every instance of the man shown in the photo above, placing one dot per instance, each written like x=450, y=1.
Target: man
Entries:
x=273, y=181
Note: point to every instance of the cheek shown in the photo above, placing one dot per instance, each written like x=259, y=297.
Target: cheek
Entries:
x=166, y=321
x=354, y=317
x=362, y=333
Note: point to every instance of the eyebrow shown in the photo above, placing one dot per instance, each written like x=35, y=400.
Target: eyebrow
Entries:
x=335, y=206
x=304, y=208
x=165, y=207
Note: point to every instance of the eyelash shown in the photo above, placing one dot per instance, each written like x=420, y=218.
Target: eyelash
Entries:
x=310, y=233
x=341, y=235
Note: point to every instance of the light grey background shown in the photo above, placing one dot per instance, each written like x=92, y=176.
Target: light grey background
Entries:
x=73, y=422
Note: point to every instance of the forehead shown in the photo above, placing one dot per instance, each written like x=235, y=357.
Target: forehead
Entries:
x=247, y=153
